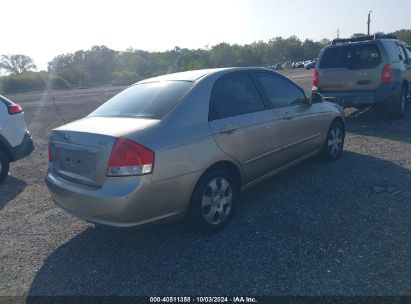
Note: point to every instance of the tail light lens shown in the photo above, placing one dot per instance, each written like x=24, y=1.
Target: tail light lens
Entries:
x=14, y=109
x=315, y=78
x=129, y=158
x=387, y=76
x=50, y=155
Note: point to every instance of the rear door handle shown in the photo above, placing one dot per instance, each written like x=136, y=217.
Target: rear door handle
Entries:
x=228, y=129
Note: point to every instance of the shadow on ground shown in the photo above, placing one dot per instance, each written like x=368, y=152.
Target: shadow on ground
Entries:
x=338, y=228
x=9, y=189
x=379, y=122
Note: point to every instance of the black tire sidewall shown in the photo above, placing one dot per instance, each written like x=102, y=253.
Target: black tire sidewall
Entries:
x=397, y=106
x=403, y=95
x=5, y=166
x=196, y=218
x=326, y=151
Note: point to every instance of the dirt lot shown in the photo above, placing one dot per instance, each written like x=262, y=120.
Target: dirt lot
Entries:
x=339, y=228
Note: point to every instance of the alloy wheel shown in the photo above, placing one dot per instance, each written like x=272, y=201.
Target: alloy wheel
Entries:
x=217, y=201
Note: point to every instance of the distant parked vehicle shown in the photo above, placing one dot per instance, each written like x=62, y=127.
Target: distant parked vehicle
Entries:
x=186, y=144
x=287, y=65
x=299, y=65
x=15, y=139
x=278, y=66
x=370, y=70
x=310, y=65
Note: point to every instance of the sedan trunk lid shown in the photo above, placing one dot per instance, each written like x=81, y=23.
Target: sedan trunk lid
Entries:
x=81, y=150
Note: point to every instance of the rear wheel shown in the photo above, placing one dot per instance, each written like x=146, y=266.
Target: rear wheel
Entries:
x=213, y=201
x=334, y=143
x=401, y=104
x=4, y=166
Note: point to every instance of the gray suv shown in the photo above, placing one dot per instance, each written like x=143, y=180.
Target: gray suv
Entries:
x=370, y=70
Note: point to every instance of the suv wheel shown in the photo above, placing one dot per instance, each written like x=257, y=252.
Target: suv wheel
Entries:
x=4, y=166
x=334, y=143
x=401, y=105
x=213, y=201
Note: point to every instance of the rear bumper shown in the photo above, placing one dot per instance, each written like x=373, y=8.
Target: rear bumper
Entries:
x=24, y=149
x=123, y=201
x=385, y=94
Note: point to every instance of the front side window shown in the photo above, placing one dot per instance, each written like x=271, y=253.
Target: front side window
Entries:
x=353, y=57
x=146, y=100
x=234, y=95
x=279, y=91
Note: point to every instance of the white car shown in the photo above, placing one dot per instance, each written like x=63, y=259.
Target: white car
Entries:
x=15, y=140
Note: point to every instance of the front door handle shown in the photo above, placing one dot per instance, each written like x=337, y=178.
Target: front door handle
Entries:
x=228, y=129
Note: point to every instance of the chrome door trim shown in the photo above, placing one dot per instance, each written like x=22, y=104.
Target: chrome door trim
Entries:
x=263, y=155
x=301, y=141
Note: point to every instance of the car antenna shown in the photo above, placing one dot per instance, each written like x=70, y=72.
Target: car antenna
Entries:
x=55, y=105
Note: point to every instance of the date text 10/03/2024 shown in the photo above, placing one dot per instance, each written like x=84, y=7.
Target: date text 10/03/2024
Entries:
x=203, y=300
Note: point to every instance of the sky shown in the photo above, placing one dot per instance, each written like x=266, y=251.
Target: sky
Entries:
x=43, y=29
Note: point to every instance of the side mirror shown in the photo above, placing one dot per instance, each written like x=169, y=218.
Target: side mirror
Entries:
x=316, y=98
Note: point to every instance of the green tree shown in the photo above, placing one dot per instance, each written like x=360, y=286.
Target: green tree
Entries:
x=404, y=35
x=16, y=64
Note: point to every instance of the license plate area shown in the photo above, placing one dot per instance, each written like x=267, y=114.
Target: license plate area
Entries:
x=76, y=162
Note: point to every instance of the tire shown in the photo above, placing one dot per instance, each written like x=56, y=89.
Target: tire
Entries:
x=213, y=201
x=400, y=106
x=334, y=144
x=4, y=166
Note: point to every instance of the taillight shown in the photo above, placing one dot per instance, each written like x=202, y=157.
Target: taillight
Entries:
x=130, y=158
x=315, y=78
x=50, y=155
x=387, y=76
x=14, y=109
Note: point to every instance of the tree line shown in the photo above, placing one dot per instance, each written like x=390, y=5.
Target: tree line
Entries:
x=102, y=65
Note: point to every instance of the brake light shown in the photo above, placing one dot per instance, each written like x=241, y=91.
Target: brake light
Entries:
x=315, y=78
x=387, y=76
x=50, y=155
x=130, y=158
x=14, y=109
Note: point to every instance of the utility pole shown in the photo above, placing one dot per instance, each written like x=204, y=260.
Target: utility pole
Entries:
x=338, y=33
x=368, y=22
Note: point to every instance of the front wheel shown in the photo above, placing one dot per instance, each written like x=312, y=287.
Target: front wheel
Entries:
x=4, y=166
x=334, y=143
x=213, y=201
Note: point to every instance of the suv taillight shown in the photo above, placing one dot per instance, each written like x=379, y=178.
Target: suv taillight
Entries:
x=315, y=78
x=129, y=158
x=14, y=109
x=387, y=76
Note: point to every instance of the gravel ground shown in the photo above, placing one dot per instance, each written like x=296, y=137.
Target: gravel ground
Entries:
x=340, y=228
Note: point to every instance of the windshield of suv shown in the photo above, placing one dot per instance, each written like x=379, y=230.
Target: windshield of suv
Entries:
x=353, y=57
x=146, y=100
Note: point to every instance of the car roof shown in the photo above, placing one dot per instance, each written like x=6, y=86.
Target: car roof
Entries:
x=198, y=74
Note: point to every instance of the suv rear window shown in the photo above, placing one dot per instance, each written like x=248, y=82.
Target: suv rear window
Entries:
x=353, y=57
x=146, y=100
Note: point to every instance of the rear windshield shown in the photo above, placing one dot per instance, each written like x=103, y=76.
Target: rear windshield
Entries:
x=146, y=100
x=5, y=101
x=353, y=57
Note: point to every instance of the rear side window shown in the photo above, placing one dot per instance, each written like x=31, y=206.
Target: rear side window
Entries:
x=279, y=91
x=353, y=57
x=146, y=100
x=392, y=51
x=408, y=50
x=234, y=95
